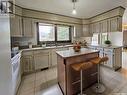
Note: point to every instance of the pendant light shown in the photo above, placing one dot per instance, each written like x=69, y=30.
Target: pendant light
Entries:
x=74, y=12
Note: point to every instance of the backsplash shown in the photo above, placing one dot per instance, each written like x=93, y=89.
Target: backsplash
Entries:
x=24, y=41
x=81, y=39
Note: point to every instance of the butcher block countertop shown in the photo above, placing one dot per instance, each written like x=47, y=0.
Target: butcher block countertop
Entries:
x=71, y=53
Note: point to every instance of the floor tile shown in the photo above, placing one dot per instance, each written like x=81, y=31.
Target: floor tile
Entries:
x=45, y=82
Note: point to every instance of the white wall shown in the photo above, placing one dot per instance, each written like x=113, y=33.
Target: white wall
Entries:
x=116, y=38
x=5, y=58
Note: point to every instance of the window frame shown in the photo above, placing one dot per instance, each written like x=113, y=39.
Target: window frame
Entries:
x=55, y=30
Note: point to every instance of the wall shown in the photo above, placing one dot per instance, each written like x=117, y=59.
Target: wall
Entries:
x=116, y=38
x=5, y=57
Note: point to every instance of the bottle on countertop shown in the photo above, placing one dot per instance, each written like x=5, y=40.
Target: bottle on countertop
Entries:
x=30, y=44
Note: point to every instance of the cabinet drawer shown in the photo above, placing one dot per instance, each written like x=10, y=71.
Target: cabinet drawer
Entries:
x=41, y=61
x=27, y=53
x=63, y=48
x=109, y=50
x=42, y=52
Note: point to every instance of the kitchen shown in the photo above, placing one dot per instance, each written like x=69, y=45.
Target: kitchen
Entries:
x=34, y=36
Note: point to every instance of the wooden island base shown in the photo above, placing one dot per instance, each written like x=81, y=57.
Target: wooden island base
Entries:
x=68, y=79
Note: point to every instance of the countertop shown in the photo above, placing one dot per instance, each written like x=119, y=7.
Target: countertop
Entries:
x=39, y=48
x=105, y=46
x=44, y=48
x=71, y=53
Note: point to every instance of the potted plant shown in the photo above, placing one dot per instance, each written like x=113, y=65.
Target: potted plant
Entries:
x=107, y=42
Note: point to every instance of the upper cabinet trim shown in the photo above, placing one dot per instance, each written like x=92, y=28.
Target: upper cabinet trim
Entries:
x=107, y=11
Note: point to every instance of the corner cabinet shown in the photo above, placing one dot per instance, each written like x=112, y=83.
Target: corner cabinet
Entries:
x=86, y=31
x=78, y=31
x=27, y=27
x=41, y=59
x=95, y=27
x=16, y=26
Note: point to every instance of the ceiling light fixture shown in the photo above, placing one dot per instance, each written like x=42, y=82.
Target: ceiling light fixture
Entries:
x=74, y=12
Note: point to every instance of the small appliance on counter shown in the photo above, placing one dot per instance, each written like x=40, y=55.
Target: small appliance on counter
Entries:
x=30, y=44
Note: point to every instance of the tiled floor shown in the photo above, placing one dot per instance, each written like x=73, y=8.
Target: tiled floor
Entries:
x=45, y=82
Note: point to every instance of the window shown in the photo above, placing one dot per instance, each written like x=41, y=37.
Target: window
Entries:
x=63, y=33
x=53, y=33
x=46, y=32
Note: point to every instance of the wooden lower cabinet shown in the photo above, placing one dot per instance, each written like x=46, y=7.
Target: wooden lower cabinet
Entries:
x=28, y=65
x=41, y=59
x=54, y=57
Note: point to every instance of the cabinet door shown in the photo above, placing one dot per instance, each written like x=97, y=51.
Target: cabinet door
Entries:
x=27, y=27
x=97, y=27
x=41, y=59
x=78, y=31
x=16, y=26
x=86, y=31
x=116, y=24
x=104, y=26
x=28, y=65
x=119, y=24
x=91, y=28
x=54, y=57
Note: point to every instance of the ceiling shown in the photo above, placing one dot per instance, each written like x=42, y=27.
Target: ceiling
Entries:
x=85, y=8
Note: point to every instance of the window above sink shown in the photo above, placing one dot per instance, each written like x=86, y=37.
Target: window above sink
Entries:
x=53, y=33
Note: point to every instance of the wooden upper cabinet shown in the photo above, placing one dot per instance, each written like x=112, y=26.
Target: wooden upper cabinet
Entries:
x=115, y=24
x=104, y=26
x=91, y=28
x=16, y=26
x=86, y=31
x=27, y=27
x=109, y=25
x=97, y=27
x=78, y=31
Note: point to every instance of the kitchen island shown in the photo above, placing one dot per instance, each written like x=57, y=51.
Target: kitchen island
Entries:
x=68, y=79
